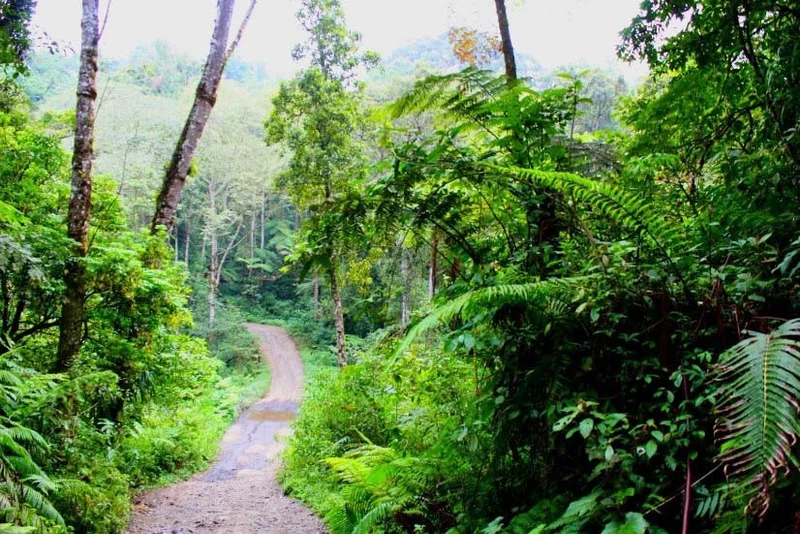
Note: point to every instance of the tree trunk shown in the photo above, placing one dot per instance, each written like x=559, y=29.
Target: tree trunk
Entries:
x=80, y=203
x=186, y=243
x=205, y=98
x=505, y=35
x=213, y=269
x=434, y=267
x=263, y=201
x=212, y=308
x=338, y=315
x=405, y=304
x=252, y=245
x=316, y=297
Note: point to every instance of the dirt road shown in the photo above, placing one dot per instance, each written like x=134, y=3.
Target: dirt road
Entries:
x=239, y=494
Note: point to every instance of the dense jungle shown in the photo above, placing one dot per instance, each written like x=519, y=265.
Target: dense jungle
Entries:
x=447, y=290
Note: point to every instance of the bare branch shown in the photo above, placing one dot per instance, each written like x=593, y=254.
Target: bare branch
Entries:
x=240, y=33
x=105, y=20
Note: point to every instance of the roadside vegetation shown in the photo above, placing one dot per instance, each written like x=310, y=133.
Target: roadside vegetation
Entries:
x=528, y=302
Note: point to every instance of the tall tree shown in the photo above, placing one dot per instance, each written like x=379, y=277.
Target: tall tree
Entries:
x=219, y=219
x=317, y=115
x=505, y=36
x=80, y=204
x=204, y=101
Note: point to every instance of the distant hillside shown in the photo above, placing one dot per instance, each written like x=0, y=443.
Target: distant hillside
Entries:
x=156, y=67
x=436, y=55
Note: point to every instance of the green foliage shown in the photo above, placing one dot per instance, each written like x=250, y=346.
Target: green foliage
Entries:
x=757, y=410
x=24, y=486
x=595, y=289
x=550, y=294
x=568, y=298
x=331, y=46
x=15, y=16
x=381, y=445
x=159, y=70
x=145, y=402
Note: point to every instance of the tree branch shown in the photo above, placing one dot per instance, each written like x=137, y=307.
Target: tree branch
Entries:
x=240, y=33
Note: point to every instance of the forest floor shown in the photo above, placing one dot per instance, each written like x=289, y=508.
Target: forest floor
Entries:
x=239, y=493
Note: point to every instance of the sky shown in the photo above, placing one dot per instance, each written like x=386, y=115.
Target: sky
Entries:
x=554, y=32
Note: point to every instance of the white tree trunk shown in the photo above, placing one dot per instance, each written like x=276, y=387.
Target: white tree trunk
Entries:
x=405, y=304
x=263, y=201
x=316, y=297
x=186, y=243
x=213, y=270
x=434, y=267
x=338, y=315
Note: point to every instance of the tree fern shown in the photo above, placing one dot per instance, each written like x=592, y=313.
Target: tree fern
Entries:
x=613, y=202
x=461, y=94
x=541, y=293
x=23, y=484
x=378, y=515
x=382, y=486
x=757, y=410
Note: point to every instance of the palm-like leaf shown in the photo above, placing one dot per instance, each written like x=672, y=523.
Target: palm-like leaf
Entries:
x=758, y=406
x=543, y=293
x=459, y=95
x=613, y=202
x=23, y=484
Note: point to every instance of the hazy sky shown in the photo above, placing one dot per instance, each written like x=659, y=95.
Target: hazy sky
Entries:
x=554, y=32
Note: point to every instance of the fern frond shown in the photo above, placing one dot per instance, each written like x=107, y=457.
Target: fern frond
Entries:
x=378, y=515
x=350, y=470
x=757, y=410
x=611, y=201
x=26, y=436
x=493, y=297
x=41, y=482
x=8, y=378
x=458, y=93
x=38, y=502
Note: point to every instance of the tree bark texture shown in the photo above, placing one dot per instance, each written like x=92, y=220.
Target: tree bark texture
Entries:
x=434, y=267
x=338, y=315
x=80, y=203
x=505, y=36
x=187, y=242
x=205, y=98
x=218, y=256
x=405, y=304
x=263, y=201
x=213, y=268
x=316, y=297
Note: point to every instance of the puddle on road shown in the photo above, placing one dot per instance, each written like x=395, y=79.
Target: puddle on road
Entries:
x=280, y=416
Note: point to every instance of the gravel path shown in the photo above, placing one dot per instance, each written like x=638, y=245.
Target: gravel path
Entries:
x=239, y=494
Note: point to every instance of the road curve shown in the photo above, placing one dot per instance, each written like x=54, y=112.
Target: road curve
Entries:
x=239, y=494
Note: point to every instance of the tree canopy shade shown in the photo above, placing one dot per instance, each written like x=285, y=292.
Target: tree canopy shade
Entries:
x=15, y=17
x=744, y=50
